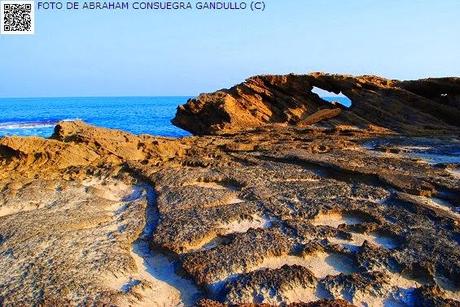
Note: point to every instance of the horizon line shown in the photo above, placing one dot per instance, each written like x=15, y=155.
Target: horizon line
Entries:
x=102, y=96
x=127, y=96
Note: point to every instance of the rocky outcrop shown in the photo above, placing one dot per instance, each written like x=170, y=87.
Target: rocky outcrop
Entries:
x=273, y=215
x=77, y=145
x=410, y=107
x=443, y=90
x=318, y=211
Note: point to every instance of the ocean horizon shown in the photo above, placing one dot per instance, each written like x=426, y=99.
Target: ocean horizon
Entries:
x=138, y=115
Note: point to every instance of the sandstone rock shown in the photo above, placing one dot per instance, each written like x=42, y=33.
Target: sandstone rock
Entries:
x=78, y=145
x=122, y=145
x=346, y=208
x=235, y=211
x=422, y=107
x=319, y=116
x=443, y=90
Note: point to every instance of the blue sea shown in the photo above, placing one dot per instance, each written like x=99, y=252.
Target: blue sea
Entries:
x=138, y=115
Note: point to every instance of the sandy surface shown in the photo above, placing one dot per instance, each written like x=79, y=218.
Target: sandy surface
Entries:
x=243, y=226
x=358, y=239
x=320, y=264
x=223, y=229
x=334, y=219
x=155, y=283
x=300, y=294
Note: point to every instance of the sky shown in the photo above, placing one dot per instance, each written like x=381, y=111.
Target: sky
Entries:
x=151, y=53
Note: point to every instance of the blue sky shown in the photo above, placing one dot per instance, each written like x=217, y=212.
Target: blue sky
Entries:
x=145, y=53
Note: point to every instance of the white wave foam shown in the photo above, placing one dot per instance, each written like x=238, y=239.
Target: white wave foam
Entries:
x=32, y=124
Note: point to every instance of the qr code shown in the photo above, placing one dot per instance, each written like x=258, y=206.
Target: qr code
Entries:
x=17, y=17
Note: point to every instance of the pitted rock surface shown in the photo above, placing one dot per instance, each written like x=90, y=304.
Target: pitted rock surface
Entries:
x=322, y=215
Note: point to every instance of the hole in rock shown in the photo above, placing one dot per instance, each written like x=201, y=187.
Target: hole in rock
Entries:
x=333, y=97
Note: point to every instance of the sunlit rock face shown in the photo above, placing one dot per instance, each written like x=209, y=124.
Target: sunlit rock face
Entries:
x=421, y=106
x=331, y=213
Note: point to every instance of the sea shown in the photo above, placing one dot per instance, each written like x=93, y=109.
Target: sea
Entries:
x=138, y=115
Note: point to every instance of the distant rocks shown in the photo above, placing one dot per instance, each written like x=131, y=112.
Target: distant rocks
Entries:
x=428, y=106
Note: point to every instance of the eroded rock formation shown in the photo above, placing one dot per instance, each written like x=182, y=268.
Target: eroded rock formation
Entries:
x=422, y=106
x=330, y=214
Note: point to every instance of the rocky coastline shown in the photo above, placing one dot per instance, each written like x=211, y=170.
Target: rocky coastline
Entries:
x=279, y=198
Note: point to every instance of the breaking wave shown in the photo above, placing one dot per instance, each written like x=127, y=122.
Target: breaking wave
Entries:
x=14, y=125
